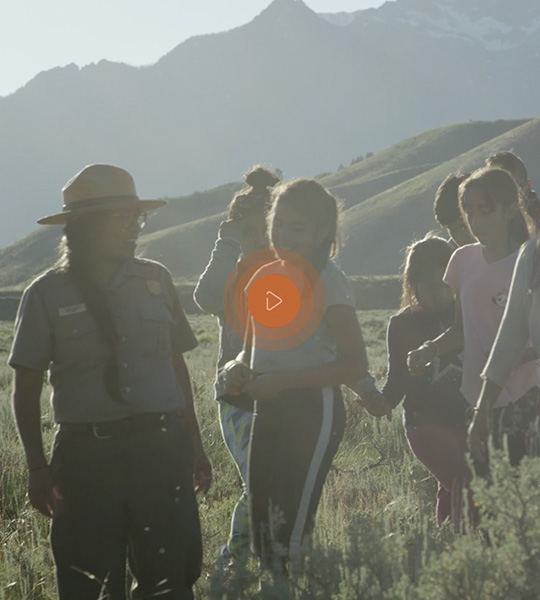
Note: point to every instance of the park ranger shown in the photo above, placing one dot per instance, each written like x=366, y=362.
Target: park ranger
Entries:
x=110, y=331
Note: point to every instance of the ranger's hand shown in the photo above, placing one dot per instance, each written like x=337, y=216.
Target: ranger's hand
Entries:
x=43, y=494
x=202, y=473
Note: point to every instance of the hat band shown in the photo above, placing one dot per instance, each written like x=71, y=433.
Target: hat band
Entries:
x=96, y=202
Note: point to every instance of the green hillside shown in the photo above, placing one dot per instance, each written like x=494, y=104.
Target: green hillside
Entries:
x=412, y=157
x=192, y=208
x=183, y=248
x=25, y=258
x=387, y=198
x=379, y=228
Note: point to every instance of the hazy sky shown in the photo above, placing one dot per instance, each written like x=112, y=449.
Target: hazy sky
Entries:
x=36, y=35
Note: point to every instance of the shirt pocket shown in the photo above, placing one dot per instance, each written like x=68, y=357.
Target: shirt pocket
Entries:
x=77, y=340
x=156, y=329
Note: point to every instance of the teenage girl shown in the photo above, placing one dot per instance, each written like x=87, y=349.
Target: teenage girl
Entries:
x=299, y=414
x=434, y=409
x=480, y=276
x=516, y=167
x=243, y=233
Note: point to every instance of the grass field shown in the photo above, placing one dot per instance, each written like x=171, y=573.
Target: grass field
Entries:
x=375, y=538
x=387, y=201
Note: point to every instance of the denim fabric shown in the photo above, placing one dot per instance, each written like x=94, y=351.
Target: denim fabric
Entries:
x=236, y=431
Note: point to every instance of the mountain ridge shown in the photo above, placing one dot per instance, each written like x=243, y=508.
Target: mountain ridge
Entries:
x=387, y=200
x=288, y=89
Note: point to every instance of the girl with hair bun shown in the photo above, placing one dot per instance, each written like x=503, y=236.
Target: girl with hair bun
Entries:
x=243, y=233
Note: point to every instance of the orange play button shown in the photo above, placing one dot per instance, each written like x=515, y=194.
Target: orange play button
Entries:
x=274, y=300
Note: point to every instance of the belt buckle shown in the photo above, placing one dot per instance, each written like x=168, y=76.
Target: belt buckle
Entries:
x=97, y=435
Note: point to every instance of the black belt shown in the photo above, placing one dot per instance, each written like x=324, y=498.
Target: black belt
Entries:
x=122, y=427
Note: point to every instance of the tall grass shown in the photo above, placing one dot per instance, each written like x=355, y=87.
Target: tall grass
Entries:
x=375, y=539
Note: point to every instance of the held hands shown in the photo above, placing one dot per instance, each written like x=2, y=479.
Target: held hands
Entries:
x=419, y=359
x=369, y=397
x=234, y=375
x=375, y=404
x=265, y=386
x=238, y=378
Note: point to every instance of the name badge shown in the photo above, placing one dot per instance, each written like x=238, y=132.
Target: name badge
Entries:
x=64, y=311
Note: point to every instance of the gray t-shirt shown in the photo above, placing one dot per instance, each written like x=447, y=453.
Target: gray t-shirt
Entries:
x=520, y=322
x=320, y=348
x=54, y=331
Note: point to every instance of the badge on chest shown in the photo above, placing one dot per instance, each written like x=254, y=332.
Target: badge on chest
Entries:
x=154, y=287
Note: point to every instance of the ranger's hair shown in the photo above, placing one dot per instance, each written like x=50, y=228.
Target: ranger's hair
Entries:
x=75, y=252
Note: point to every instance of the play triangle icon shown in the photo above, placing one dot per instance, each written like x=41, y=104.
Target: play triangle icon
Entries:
x=272, y=301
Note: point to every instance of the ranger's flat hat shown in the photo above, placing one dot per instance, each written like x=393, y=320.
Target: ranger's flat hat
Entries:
x=99, y=187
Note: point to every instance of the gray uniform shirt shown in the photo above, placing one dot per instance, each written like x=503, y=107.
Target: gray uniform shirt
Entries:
x=520, y=322
x=54, y=331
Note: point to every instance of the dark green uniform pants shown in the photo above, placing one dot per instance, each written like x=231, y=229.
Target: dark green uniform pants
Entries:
x=127, y=497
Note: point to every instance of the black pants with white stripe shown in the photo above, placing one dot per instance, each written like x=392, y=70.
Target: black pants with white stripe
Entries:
x=294, y=439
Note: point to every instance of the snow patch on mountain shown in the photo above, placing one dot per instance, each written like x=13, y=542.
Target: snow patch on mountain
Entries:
x=341, y=18
x=495, y=25
x=492, y=33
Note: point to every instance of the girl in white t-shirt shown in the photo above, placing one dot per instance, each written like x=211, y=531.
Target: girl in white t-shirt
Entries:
x=480, y=275
x=299, y=414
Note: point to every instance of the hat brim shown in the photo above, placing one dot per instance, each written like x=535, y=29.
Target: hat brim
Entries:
x=62, y=218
